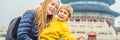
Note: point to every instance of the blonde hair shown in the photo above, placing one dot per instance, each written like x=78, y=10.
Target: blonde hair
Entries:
x=68, y=8
x=41, y=16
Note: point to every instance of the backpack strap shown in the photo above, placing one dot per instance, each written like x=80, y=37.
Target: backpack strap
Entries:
x=15, y=27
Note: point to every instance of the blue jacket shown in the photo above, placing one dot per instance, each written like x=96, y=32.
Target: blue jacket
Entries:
x=25, y=30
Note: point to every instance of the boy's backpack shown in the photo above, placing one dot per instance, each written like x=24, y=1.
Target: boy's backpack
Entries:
x=12, y=29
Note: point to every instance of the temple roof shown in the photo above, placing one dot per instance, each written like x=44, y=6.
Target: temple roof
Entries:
x=110, y=2
x=94, y=8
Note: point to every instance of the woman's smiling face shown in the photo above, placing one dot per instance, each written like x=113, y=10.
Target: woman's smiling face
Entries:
x=53, y=7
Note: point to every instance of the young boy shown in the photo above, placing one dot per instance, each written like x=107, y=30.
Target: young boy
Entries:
x=59, y=27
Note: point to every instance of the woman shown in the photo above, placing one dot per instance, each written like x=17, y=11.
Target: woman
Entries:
x=28, y=30
x=59, y=28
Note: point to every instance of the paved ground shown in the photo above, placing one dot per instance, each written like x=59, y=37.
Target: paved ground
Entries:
x=2, y=38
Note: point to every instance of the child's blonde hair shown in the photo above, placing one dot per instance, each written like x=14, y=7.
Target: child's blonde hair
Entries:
x=68, y=8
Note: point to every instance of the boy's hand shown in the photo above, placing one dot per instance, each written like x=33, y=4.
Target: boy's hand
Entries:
x=80, y=38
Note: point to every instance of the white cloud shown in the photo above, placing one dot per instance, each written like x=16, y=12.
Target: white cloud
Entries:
x=10, y=9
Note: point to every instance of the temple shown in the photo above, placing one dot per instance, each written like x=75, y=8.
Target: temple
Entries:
x=93, y=19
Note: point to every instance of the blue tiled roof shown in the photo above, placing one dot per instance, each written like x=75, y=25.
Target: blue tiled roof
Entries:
x=110, y=2
x=94, y=8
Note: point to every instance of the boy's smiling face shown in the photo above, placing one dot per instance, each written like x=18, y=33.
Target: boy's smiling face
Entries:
x=63, y=15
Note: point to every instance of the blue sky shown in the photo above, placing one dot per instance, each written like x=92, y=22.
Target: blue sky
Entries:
x=10, y=9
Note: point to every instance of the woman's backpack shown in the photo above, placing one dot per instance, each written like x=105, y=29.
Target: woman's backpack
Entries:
x=12, y=29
